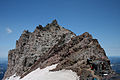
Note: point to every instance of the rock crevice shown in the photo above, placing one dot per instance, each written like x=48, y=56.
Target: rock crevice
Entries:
x=54, y=44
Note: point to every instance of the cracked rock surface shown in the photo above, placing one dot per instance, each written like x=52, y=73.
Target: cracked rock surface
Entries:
x=54, y=44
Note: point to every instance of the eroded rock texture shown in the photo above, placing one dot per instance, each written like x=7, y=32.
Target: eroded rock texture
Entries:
x=53, y=44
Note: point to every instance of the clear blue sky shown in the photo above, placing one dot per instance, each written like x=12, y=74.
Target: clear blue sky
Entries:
x=101, y=18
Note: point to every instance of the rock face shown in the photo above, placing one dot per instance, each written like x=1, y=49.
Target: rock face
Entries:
x=53, y=44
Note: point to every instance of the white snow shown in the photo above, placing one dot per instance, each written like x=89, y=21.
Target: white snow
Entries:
x=45, y=74
x=105, y=74
x=13, y=77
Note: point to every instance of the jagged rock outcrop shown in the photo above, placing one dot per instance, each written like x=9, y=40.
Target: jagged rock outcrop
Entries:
x=31, y=46
x=53, y=44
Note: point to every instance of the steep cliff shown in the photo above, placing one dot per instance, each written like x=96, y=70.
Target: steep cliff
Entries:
x=53, y=44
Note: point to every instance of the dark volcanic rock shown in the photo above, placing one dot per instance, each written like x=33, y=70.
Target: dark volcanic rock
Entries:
x=53, y=44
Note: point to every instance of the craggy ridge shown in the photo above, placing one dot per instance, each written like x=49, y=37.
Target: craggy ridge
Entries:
x=54, y=44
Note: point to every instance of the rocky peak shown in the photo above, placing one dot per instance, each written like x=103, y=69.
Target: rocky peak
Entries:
x=25, y=32
x=32, y=46
x=39, y=27
x=86, y=34
x=49, y=27
x=54, y=44
x=54, y=22
x=23, y=39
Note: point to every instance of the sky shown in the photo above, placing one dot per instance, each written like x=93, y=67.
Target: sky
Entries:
x=101, y=18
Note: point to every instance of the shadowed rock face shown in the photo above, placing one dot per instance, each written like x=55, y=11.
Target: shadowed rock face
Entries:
x=53, y=44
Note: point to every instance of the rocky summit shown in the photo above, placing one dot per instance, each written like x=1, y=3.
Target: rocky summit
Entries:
x=54, y=44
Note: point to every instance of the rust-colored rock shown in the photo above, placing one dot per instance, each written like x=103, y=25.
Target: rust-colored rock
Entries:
x=55, y=45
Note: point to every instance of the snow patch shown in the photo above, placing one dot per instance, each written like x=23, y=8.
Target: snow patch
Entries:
x=45, y=74
x=13, y=77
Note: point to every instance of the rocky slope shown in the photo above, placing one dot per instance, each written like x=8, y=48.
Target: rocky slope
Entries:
x=53, y=44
